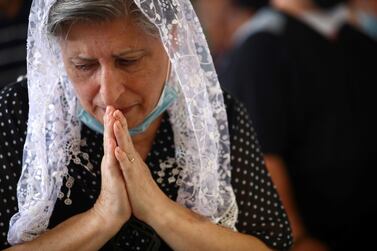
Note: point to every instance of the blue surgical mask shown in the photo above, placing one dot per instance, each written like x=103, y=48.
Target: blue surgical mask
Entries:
x=368, y=23
x=168, y=96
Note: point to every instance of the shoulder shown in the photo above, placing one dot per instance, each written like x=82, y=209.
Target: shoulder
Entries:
x=15, y=88
x=351, y=38
x=241, y=130
x=261, y=42
x=235, y=109
x=257, y=54
x=14, y=105
x=14, y=96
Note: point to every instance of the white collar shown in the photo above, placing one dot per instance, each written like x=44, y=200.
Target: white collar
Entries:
x=266, y=19
x=326, y=23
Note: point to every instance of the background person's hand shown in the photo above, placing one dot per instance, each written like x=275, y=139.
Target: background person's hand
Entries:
x=145, y=196
x=112, y=204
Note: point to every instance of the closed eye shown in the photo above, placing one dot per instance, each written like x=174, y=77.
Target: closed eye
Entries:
x=85, y=67
x=126, y=62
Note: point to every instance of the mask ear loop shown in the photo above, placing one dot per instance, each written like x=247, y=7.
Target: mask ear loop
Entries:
x=168, y=72
x=169, y=69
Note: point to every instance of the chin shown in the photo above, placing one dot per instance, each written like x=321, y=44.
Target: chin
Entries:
x=133, y=121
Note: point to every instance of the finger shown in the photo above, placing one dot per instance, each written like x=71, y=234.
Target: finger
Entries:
x=111, y=145
x=124, y=152
x=110, y=164
x=124, y=162
x=122, y=156
x=109, y=135
x=122, y=136
x=118, y=115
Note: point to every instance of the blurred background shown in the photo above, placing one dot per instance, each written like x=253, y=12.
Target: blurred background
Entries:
x=306, y=71
x=13, y=30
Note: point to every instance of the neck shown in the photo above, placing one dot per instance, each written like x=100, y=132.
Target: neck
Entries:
x=355, y=7
x=143, y=142
x=352, y=17
x=294, y=7
x=236, y=18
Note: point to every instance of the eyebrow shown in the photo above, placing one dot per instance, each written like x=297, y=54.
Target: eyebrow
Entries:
x=129, y=51
x=82, y=59
x=120, y=54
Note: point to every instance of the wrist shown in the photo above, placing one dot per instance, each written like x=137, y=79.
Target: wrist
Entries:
x=173, y=216
x=161, y=214
x=104, y=221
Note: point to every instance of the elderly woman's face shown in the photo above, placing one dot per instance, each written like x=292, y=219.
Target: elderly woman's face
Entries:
x=115, y=63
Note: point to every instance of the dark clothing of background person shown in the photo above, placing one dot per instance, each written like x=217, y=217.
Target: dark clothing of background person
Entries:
x=13, y=32
x=294, y=88
x=359, y=53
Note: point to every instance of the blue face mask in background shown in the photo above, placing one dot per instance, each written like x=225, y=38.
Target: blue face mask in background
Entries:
x=168, y=96
x=368, y=23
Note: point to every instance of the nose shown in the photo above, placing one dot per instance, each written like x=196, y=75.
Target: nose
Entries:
x=111, y=85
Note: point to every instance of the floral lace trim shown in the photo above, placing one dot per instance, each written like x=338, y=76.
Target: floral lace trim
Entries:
x=81, y=159
x=169, y=166
x=230, y=217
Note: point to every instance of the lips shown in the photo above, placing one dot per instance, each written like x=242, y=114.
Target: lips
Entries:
x=126, y=110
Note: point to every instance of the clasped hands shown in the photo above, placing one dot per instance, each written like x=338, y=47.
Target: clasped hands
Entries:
x=127, y=186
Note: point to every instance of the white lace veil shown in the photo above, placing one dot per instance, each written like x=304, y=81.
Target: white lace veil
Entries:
x=198, y=118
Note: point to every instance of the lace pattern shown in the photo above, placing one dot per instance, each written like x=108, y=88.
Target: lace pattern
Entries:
x=198, y=117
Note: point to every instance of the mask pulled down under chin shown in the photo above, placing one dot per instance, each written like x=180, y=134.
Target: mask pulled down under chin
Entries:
x=368, y=23
x=168, y=96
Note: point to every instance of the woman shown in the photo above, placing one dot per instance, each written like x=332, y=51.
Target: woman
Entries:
x=113, y=67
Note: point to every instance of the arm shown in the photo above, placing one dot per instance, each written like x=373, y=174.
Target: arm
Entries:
x=192, y=232
x=86, y=231
x=93, y=228
x=303, y=241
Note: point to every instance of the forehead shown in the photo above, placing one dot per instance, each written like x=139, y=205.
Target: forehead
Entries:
x=107, y=36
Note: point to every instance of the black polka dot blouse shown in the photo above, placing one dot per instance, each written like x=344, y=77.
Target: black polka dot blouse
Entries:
x=261, y=213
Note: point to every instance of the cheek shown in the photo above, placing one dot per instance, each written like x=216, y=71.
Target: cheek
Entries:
x=147, y=86
x=86, y=93
x=153, y=95
x=85, y=88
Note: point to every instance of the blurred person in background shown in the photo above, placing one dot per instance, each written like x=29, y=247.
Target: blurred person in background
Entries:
x=210, y=14
x=222, y=19
x=323, y=16
x=287, y=68
x=357, y=40
x=13, y=30
x=363, y=17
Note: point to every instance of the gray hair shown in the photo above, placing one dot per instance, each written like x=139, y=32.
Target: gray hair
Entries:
x=67, y=12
